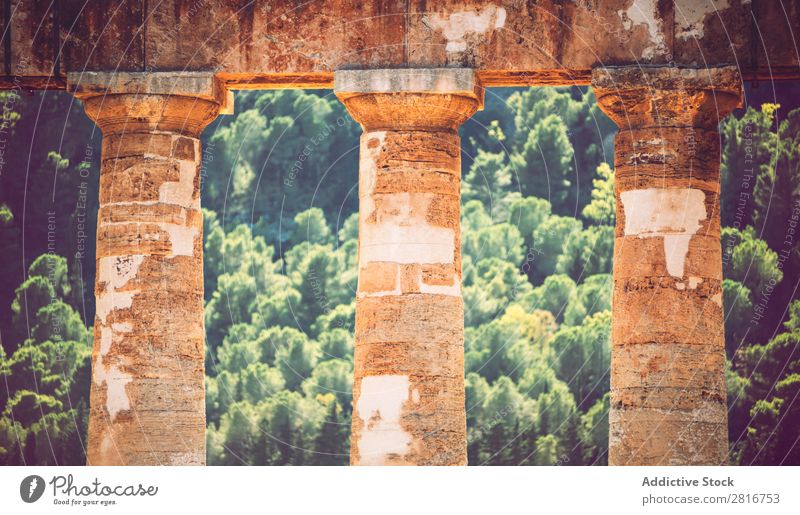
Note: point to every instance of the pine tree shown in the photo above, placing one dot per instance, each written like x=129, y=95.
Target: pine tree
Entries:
x=329, y=447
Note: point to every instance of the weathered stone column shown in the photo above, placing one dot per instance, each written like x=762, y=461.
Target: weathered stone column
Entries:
x=668, y=357
x=408, y=393
x=147, y=394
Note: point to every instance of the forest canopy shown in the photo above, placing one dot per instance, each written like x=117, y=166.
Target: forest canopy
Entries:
x=280, y=245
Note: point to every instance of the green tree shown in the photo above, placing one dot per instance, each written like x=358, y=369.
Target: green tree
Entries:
x=45, y=411
x=488, y=180
x=773, y=370
x=552, y=295
x=602, y=207
x=528, y=213
x=310, y=226
x=748, y=260
x=591, y=296
x=334, y=376
x=582, y=358
x=546, y=450
x=587, y=253
x=549, y=242
x=332, y=445
x=594, y=432
x=738, y=309
x=545, y=164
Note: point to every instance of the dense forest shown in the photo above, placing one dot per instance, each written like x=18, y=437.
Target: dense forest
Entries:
x=280, y=237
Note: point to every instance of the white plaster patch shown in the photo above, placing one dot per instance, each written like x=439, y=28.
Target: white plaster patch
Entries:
x=690, y=16
x=105, y=340
x=676, y=247
x=107, y=444
x=181, y=238
x=112, y=300
x=379, y=406
x=694, y=282
x=116, y=397
x=673, y=214
x=455, y=26
x=456, y=46
x=401, y=233
x=122, y=327
x=118, y=270
x=115, y=272
x=645, y=12
x=367, y=175
x=114, y=378
x=415, y=396
x=181, y=192
x=717, y=299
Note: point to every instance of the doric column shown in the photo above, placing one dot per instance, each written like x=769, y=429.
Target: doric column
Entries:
x=147, y=394
x=668, y=358
x=408, y=393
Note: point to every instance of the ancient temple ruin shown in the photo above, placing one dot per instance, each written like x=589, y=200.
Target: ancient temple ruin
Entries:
x=410, y=73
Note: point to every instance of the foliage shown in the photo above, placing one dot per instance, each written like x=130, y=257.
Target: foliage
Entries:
x=45, y=411
x=280, y=257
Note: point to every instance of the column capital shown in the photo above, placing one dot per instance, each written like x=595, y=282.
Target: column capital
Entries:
x=410, y=99
x=173, y=101
x=637, y=96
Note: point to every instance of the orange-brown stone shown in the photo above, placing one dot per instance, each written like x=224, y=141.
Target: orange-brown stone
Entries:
x=408, y=393
x=668, y=355
x=147, y=394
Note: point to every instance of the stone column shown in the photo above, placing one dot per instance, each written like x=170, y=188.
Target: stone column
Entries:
x=408, y=393
x=668, y=395
x=148, y=395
